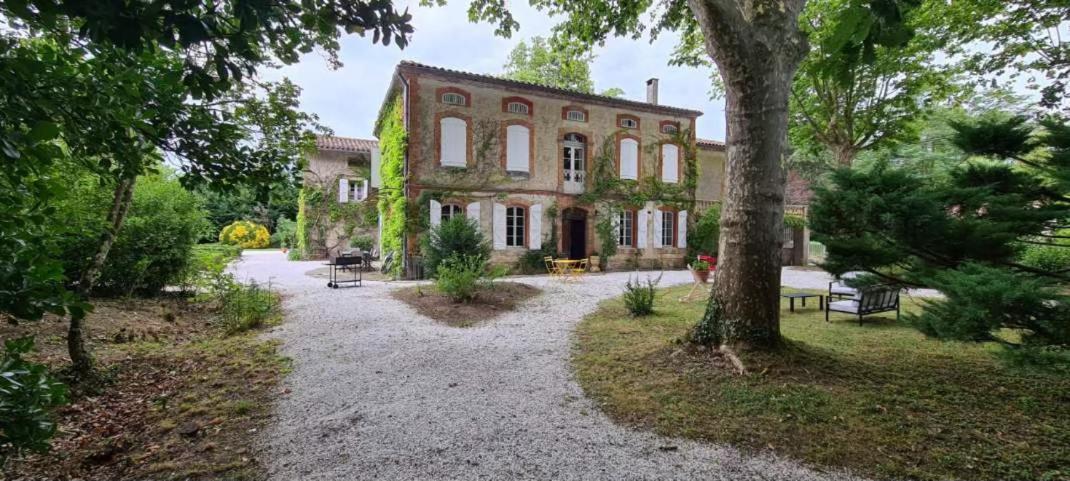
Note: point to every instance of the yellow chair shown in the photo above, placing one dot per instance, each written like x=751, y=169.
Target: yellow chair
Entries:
x=580, y=268
x=551, y=268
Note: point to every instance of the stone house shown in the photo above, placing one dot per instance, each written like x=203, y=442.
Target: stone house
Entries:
x=532, y=164
x=338, y=199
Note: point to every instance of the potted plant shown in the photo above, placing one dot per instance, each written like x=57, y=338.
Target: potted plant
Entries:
x=593, y=262
x=702, y=269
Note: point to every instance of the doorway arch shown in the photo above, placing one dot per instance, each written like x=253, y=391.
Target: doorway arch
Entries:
x=574, y=232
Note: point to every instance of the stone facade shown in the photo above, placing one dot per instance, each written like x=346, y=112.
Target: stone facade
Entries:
x=340, y=163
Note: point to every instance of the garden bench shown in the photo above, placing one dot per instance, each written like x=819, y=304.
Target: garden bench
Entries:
x=868, y=300
x=839, y=288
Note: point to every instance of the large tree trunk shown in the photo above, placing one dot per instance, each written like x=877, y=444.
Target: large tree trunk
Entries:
x=757, y=47
x=81, y=358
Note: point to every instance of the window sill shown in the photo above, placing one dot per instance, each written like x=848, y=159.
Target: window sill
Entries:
x=517, y=174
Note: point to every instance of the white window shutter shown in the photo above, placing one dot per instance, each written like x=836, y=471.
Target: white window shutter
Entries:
x=499, y=226
x=616, y=226
x=657, y=229
x=535, y=227
x=629, y=159
x=473, y=211
x=343, y=190
x=642, y=219
x=517, y=152
x=453, y=138
x=681, y=229
x=436, y=213
x=670, y=158
x=375, y=167
x=363, y=189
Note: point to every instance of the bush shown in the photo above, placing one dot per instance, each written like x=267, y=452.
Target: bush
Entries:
x=245, y=234
x=460, y=276
x=208, y=262
x=27, y=397
x=457, y=237
x=362, y=242
x=1051, y=258
x=703, y=236
x=243, y=307
x=285, y=235
x=639, y=297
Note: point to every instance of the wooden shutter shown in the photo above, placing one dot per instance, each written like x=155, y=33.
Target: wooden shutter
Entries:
x=629, y=159
x=681, y=229
x=670, y=163
x=518, y=148
x=640, y=231
x=436, y=213
x=499, y=226
x=535, y=227
x=472, y=211
x=657, y=228
x=343, y=190
x=453, y=138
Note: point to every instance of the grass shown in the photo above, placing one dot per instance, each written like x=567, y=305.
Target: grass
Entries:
x=880, y=399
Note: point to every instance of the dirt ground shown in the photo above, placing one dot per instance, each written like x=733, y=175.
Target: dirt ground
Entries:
x=488, y=304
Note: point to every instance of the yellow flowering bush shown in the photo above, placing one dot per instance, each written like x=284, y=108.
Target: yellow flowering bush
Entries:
x=245, y=234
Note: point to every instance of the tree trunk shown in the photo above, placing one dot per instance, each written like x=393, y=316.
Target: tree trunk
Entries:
x=757, y=47
x=81, y=358
x=845, y=155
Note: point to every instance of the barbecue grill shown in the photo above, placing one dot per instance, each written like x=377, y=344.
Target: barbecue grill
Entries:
x=351, y=263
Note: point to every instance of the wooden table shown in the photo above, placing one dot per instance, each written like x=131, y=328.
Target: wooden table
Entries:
x=802, y=295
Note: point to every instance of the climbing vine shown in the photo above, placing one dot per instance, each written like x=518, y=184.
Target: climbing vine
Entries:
x=607, y=186
x=393, y=142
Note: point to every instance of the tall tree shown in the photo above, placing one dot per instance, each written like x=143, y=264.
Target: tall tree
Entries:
x=546, y=63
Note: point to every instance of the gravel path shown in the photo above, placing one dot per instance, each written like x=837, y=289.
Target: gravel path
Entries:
x=380, y=392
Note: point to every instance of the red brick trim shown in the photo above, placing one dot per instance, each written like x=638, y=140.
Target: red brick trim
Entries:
x=620, y=117
x=453, y=90
x=675, y=228
x=415, y=159
x=663, y=123
x=567, y=108
x=508, y=100
x=679, y=162
x=527, y=220
x=438, y=136
x=638, y=156
x=503, y=141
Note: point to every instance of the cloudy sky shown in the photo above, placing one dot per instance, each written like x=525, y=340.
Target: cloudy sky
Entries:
x=347, y=100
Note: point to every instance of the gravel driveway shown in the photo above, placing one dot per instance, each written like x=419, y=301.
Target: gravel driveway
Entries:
x=380, y=392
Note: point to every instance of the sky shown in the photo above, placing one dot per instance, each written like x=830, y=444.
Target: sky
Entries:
x=347, y=99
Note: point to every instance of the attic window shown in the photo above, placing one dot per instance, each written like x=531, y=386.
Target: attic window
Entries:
x=518, y=108
x=670, y=128
x=576, y=115
x=629, y=123
x=453, y=98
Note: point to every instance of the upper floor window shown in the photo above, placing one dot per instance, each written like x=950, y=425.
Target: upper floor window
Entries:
x=626, y=229
x=626, y=121
x=514, y=226
x=453, y=142
x=629, y=158
x=576, y=115
x=671, y=128
x=518, y=108
x=453, y=98
x=670, y=163
x=518, y=148
x=449, y=211
x=574, y=157
x=352, y=190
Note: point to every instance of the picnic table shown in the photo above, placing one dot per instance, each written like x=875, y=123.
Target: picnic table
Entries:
x=570, y=268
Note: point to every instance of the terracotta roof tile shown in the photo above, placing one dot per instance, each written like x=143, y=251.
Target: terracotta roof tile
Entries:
x=710, y=144
x=345, y=144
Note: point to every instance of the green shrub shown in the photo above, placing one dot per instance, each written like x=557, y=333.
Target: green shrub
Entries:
x=246, y=234
x=285, y=235
x=639, y=296
x=1051, y=258
x=460, y=276
x=207, y=263
x=243, y=307
x=704, y=234
x=362, y=242
x=457, y=237
x=27, y=397
x=606, y=228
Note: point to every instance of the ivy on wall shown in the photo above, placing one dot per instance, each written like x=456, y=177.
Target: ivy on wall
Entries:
x=607, y=187
x=392, y=207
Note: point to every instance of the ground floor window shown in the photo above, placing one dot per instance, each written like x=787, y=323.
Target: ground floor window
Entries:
x=514, y=226
x=668, y=228
x=625, y=233
x=450, y=211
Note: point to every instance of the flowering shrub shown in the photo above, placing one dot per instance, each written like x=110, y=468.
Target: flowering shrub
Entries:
x=245, y=234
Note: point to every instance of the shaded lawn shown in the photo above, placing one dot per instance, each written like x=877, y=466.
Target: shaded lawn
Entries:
x=880, y=399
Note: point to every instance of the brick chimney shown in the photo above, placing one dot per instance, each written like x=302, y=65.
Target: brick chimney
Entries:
x=652, y=91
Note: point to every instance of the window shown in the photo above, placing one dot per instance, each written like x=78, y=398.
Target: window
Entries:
x=629, y=123
x=518, y=108
x=576, y=115
x=575, y=146
x=626, y=229
x=450, y=211
x=358, y=190
x=670, y=163
x=453, y=98
x=668, y=228
x=629, y=159
x=517, y=148
x=670, y=128
x=514, y=227
x=453, y=146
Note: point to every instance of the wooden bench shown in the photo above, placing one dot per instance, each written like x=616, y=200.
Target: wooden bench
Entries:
x=868, y=300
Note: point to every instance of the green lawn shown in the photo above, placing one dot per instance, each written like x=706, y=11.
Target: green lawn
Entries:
x=880, y=398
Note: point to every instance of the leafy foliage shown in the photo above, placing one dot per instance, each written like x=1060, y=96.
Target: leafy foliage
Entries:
x=639, y=296
x=393, y=142
x=285, y=235
x=245, y=234
x=27, y=395
x=549, y=63
x=606, y=227
x=458, y=236
x=243, y=307
x=703, y=236
x=459, y=276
